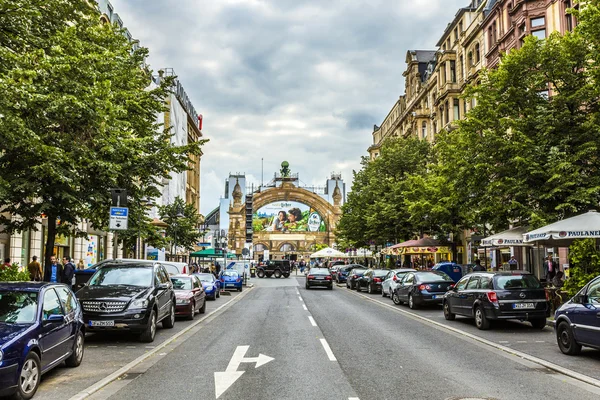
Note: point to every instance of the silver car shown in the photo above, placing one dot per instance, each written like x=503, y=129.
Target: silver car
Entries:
x=392, y=280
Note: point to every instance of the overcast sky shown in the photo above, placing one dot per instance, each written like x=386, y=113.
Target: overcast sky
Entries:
x=296, y=80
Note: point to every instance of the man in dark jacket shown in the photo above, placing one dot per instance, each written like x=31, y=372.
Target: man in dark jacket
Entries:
x=54, y=271
x=68, y=271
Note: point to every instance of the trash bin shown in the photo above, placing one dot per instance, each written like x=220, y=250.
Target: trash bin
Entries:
x=451, y=269
x=82, y=276
x=252, y=272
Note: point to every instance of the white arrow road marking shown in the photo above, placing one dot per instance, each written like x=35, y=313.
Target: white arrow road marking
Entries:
x=224, y=380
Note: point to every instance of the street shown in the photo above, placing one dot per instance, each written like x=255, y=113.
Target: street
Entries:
x=293, y=343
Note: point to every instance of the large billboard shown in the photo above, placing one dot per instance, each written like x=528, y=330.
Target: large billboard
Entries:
x=287, y=216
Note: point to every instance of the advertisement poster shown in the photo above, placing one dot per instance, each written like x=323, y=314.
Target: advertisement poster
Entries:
x=91, y=253
x=287, y=216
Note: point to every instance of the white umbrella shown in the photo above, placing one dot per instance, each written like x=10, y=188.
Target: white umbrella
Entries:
x=564, y=232
x=508, y=238
x=328, y=252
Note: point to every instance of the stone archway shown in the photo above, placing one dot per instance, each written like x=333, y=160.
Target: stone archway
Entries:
x=300, y=241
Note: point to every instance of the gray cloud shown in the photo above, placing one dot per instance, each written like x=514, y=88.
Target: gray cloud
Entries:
x=302, y=81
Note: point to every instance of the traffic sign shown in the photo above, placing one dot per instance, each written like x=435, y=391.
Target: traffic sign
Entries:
x=118, y=218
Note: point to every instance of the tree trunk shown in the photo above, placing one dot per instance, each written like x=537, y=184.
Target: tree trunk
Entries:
x=50, y=239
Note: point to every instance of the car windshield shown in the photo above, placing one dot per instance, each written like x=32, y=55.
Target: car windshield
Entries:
x=121, y=275
x=171, y=269
x=206, y=277
x=432, y=277
x=319, y=271
x=18, y=307
x=508, y=282
x=380, y=272
x=230, y=273
x=182, y=283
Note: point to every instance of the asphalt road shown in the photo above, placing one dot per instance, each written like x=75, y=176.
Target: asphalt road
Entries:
x=320, y=344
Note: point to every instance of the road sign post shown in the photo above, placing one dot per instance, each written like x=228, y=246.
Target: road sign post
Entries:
x=119, y=217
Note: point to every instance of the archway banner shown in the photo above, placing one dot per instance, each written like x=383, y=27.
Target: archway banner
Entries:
x=287, y=216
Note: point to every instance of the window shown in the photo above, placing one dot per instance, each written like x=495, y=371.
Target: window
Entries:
x=424, y=130
x=460, y=27
x=593, y=292
x=537, y=22
x=462, y=283
x=67, y=299
x=477, y=53
x=51, y=304
x=286, y=247
x=453, y=71
x=456, y=34
x=470, y=58
x=260, y=246
x=410, y=279
x=473, y=283
x=456, y=109
x=447, y=114
x=569, y=22
x=465, y=106
x=443, y=68
x=540, y=34
x=461, y=66
x=197, y=283
x=485, y=283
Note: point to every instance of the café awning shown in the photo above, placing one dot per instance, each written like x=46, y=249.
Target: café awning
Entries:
x=508, y=238
x=564, y=232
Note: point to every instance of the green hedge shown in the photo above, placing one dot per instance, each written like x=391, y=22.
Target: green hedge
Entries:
x=12, y=274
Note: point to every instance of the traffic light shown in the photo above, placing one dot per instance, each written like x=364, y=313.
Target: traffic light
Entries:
x=249, y=230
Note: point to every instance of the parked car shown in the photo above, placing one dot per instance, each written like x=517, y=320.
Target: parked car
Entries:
x=578, y=320
x=319, y=277
x=211, y=285
x=172, y=267
x=129, y=296
x=487, y=296
x=353, y=275
x=371, y=280
x=343, y=271
x=189, y=296
x=230, y=279
x=422, y=287
x=41, y=325
x=392, y=280
x=276, y=268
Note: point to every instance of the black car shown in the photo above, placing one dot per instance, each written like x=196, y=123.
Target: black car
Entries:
x=128, y=296
x=319, y=277
x=343, y=271
x=422, y=287
x=487, y=296
x=353, y=275
x=276, y=268
x=371, y=280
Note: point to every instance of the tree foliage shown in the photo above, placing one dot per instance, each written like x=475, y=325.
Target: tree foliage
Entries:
x=78, y=117
x=183, y=221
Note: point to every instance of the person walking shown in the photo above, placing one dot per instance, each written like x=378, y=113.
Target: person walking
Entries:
x=80, y=264
x=53, y=272
x=68, y=271
x=550, y=268
x=35, y=269
x=513, y=263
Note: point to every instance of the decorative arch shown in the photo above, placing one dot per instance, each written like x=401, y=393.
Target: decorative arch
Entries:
x=287, y=247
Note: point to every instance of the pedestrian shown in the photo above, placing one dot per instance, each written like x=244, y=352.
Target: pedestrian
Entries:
x=6, y=264
x=53, y=272
x=478, y=266
x=217, y=269
x=557, y=281
x=35, y=269
x=513, y=263
x=550, y=267
x=80, y=264
x=68, y=271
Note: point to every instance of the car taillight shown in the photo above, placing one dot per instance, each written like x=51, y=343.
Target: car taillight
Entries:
x=376, y=279
x=222, y=279
x=310, y=277
x=394, y=278
x=492, y=297
x=238, y=279
x=355, y=276
x=424, y=287
x=451, y=286
x=328, y=278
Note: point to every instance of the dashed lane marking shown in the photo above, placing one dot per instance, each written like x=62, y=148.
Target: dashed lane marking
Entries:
x=328, y=350
x=304, y=306
x=312, y=321
x=300, y=298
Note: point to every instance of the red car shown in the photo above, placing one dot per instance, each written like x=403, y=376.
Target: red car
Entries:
x=189, y=295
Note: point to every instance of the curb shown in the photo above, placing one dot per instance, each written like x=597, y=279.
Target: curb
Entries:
x=124, y=369
x=547, y=364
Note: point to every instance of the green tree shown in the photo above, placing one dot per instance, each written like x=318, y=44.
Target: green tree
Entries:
x=183, y=221
x=79, y=118
x=584, y=264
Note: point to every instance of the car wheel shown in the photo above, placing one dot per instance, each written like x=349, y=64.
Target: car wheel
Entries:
x=538, y=323
x=347, y=285
x=396, y=299
x=260, y=274
x=77, y=356
x=383, y=293
x=358, y=287
x=306, y=286
x=411, y=302
x=217, y=293
x=29, y=378
x=239, y=289
x=330, y=287
x=286, y=275
x=277, y=274
x=169, y=322
x=192, y=313
x=448, y=312
x=481, y=321
x=203, y=309
x=565, y=339
x=150, y=332
x=370, y=289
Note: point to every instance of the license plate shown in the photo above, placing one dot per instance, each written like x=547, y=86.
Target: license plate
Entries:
x=520, y=306
x=319, y=278
x=230, y=284
x=102, y=323
x=438, y=296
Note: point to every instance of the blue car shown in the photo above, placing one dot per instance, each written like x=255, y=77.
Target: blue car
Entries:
x=578, y=320
x=41, y=325
x=211, y=285
x=231, y=279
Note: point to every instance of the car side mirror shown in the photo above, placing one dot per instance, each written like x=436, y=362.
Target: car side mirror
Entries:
x=163, y=286
x=55, y=319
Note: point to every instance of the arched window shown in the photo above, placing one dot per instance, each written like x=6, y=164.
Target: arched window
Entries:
x=477, y=53
x=470, y=58
x=260, y=247
x=286, y=247
x=424, y=130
